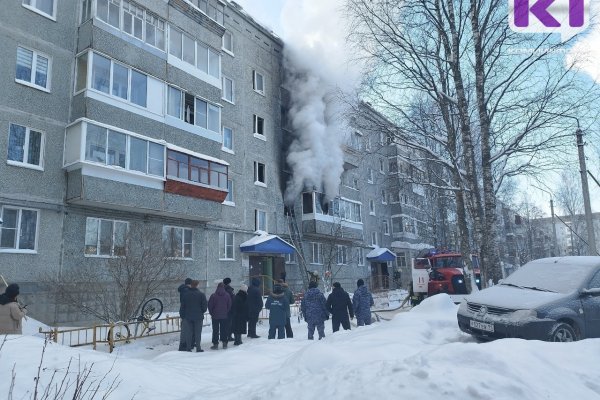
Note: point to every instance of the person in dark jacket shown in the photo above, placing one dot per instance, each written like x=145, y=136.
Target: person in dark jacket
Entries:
x=182, y=289
x=255, y=304
x=219, y=305
x=290, y=298
x=193, y=307
x=314, y=309
x=362, y=302
x=340, y=306
x=278, y=306
x=240, y=314
x=229, y=290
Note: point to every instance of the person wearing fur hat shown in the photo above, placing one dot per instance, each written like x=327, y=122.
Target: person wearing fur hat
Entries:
x=255, y=304
x=314, y=310
x=278, y=306
x=362, y=301
x=240, y=314
x=11, y=314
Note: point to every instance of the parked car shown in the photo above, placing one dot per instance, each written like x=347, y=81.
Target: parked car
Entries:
x=555, y=299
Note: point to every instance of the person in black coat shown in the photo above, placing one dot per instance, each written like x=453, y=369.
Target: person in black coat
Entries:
x=255, y=304
x=340, y=306
x=193, y=307
x=240, y=314
x=184, y=287
x=229, y=290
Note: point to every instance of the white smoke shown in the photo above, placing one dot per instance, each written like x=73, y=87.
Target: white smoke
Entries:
x=318, y=72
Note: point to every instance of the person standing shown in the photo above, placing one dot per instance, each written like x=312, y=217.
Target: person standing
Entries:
x=290, y=298
x=314, y=309
x=362, y=302
x=11, y=313
x=278, y=307
x=184, y=287
x=192, y=311
x=219, y=305
x=255, y=304
x=240, y=314
x=340, y=307
x=229, y=290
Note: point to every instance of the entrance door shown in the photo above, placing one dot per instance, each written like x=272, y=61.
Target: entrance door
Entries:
x=268, y=269
x=380, y=276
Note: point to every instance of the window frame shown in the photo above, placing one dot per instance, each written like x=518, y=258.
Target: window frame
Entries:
x=374, y=238
x=257, y=214
x=229, y=200
x=223, y=47
x=255, y=125
x=36, y=10
x=223, y=147
x=386, y=227
x=223, y=92
x=319, y=259
x=99, y=236
x=261, y=91
x=34, y=60
x=371, y=207
x=341, y=255
x=18, y=230
x=224, y=246
x=361, y=257
x=183, y=242
x=257, y=167
x=190, y=167
x=24, y=164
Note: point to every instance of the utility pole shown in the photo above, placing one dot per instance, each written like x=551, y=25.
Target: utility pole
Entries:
x=555, y=239
x=586, y=194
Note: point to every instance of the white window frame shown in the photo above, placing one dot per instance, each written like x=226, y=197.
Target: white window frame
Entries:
x=257, y=166
x=98, y=237
x=225, y=49
x=34, y=60
x=361, y=258
x=226, y=242
x=257, y=214
x=383, y=196
x=319, y=259
x=223, y=147
x=183, y=243
x=373, y=238
x=341, y=255
x=223, y=97
x=18, y=228
x=36, y=10
x=24, y=163
x=381, y=166
x=229, y=200
x=290, y=258
x=370, y=175
x=386, y=227
x=401, y=256
x=371, y=207
x=255, y=87
x=255, y=124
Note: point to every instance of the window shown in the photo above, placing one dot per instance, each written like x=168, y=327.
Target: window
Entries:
x=386, y=227
x=177, y=242
x=369, y=175
x=229, y=198
x=317, y=253
x=381, y=166
x=86, y=10
x=341, y=255
x=290, y=258
x=355, y=141
x=397, y=225
x=393, y=165
x=193, y=110
x=175, y=39
x=25, y=146
x=228, y=90
x=373, y=238
x=228, y=42
x=259, y=173
x=109, y=147
x=117, y=80
x=109, y=11
x=19, y=229
x=258, y=125
x=228, y=138
x=105, y=237
x=258, y=83
x=133, y=19
x=371, y=207
x=33, y=68
x=193, y=169
x=155, y=31
x=216, y=11
x=383, y=197
x=209, y=61
x=361, y=258
x=368, y=143
x=226, y=245
x=260, y=220
x=401, y=259
x=174, y=102
x=395, y=196
x=43, y=6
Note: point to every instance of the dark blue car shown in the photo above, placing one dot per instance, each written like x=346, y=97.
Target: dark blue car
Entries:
x=555, y=299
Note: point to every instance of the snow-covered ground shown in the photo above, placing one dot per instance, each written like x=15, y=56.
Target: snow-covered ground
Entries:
x=419, y=354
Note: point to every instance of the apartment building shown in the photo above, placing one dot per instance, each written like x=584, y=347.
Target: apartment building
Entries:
x=167, y=117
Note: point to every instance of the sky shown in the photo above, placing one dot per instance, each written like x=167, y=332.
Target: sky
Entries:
x=418, y=354
x=298, y=20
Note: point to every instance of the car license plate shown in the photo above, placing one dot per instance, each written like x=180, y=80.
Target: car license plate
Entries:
x=482, y=326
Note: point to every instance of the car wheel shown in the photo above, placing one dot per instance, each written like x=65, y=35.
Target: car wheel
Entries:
x=562, y=332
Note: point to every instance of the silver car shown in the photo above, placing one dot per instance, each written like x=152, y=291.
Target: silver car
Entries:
x=555, y=299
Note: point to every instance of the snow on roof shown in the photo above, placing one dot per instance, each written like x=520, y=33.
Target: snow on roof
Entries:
x=377, y=251
x=261, y=238
x=195, y=154
x=413, y=246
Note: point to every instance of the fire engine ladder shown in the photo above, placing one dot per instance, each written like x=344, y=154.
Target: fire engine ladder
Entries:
x=296, y=239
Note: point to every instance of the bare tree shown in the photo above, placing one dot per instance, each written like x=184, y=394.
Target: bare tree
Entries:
x=570, y=201
x=115, y=290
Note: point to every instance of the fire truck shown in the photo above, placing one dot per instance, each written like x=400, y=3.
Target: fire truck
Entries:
x=436, y=272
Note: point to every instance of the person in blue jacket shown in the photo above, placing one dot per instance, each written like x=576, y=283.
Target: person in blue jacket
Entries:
x=278, y=305
x=362, y=302
x=314, y=310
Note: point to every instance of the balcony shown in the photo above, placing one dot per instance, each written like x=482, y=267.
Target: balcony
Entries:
x=339, y=218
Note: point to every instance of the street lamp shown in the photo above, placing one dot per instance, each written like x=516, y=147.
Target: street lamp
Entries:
x=555, y=243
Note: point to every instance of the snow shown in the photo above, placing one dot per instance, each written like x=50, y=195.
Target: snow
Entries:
x=377, y=251
x=416, y=355
x=261, y=238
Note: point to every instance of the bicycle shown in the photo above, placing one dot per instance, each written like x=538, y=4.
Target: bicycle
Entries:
x=150, y=311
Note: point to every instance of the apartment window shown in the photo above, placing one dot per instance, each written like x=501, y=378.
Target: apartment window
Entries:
x=155, y=31
x=372, y=207
x=401, y=259
x=133, y=20
x=226, y=245
x=228, y=42
x=381, y=166
x=174, y=102
x=25, y=146
x=43, y=6
x=229, y=198
x=113, y=148
x=259, y=173
x=369, y=175
x=189, y=50
x=228, y=89
x=175, y=39
x=216, y=11
x=19, y=229
x=209, y=61
x=228, y=138
x=86, y=10
x=373, y=238
x=368, y=143
x=393, y=165
x=117, y=80
x=193, y=169
x=383, y=197
x=258, y=125
x=33, y=68
x=395, y=197
x=177, y=242
x=317, y=253
x=258, y=83
x=105, y=237
x=290, y=258
x=260, y=220
x=386, y=227
x=109, y=11
x=193, y=110
x=341, y=255
x=361, y=258
x=397, y=225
